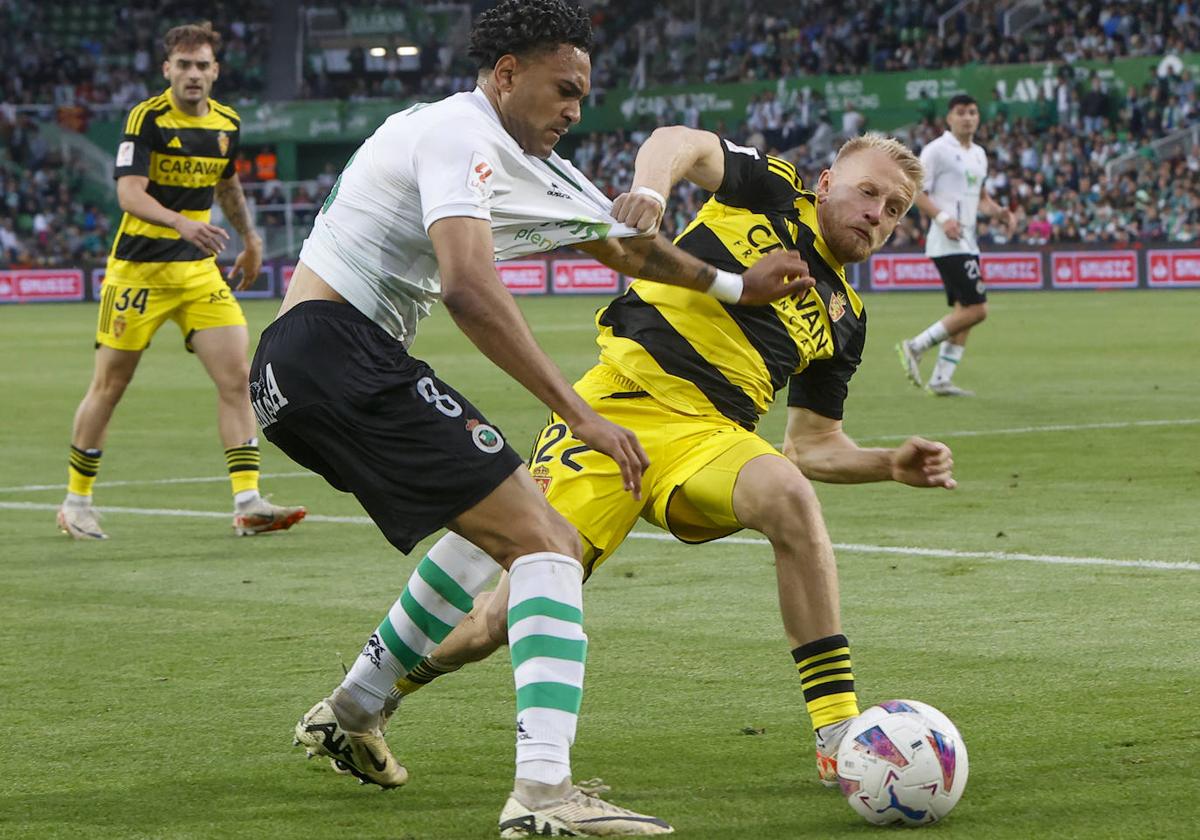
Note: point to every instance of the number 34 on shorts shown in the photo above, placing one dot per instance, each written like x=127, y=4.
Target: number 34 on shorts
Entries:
x=130, y=315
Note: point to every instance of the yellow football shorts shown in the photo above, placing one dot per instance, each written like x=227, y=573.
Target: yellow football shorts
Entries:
x=687, y=490
x=131, y=314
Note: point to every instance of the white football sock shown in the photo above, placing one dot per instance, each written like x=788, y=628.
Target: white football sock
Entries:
x=949, y=355
x=934, y=335
x=438, y=596
x=548, y=648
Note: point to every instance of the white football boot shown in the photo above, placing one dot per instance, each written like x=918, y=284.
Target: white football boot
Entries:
x=363, y=754
x=829, y=740
x=81, y=522
x=573, y=814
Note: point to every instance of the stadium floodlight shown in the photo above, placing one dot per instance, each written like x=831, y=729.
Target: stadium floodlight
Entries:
x=409, y=50
x=378, y=52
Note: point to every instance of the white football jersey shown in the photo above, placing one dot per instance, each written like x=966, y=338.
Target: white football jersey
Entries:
x=954, y=179
x=370, y=241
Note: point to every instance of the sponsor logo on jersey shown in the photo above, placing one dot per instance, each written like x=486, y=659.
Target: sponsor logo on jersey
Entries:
x=479, y=175
x=174, y=143
x=171, y=165
x=125, y=153
x=837, y=306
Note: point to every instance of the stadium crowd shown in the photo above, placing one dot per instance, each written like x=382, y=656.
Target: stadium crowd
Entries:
x=1048, y=167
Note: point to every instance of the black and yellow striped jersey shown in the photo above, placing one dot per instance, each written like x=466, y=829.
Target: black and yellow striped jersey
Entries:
x=695, y=354
x=184, y=157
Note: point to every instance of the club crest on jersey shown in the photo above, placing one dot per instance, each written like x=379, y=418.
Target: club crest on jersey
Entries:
x=223, y=143
x=541, y=475
x=837, y=306
x=118, y=326
x=479, y=176
x=485, y=437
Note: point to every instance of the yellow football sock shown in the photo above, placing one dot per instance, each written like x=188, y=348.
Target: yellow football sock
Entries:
x=827, y=680
x=243, y=462
x=81, y=470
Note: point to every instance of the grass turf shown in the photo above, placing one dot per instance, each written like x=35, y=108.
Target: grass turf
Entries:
x=150, y=682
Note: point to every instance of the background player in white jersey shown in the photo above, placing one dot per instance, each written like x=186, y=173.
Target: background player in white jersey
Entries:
x=420, y=213
x=953, y=196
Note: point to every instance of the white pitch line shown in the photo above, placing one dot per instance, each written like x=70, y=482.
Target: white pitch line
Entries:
x=1026, y=430
x=194, y=514
x=849, y=548
x=1054, y=559
x=1022, y=430
x=203, y=479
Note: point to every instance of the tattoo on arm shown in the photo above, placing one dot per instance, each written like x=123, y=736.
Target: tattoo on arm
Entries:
x=233, y=204
x=666, y=263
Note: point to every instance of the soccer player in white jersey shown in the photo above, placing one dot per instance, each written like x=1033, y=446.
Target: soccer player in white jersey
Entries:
x=953, y=196
x=421, y=212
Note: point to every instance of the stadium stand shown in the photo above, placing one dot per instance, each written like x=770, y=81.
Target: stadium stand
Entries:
x=1089, y=161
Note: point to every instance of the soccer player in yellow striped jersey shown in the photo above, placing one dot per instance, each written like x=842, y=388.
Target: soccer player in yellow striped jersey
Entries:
x=176, y=156
x=692, y=376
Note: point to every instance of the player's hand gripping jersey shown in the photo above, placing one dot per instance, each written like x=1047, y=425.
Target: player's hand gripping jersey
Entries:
x=698, y=355
x=431, y=162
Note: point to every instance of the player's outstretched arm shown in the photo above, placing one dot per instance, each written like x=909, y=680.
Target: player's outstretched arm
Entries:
x=775, y=276
x=487, y=314
x=824, y=452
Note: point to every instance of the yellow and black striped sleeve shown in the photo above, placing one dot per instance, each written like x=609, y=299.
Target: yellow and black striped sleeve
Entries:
x=137, y=141
x=756, y=181
x=235, y=138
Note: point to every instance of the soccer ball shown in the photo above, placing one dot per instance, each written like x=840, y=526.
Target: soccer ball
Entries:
x=902, y=761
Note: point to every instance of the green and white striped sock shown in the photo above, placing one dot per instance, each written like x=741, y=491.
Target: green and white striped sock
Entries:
x=438, y=596
x=549, y=648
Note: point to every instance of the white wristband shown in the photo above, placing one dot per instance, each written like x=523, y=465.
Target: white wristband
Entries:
x=653, y=193
x=727, y=287
x=941, y=218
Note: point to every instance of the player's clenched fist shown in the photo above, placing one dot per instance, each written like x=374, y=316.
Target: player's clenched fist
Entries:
x=641, y=208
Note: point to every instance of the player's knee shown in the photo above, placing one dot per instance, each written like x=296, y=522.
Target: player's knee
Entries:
x=109, y=386
x=793, y=506
x=548, y=531
x=233, y=384
x=562, y=536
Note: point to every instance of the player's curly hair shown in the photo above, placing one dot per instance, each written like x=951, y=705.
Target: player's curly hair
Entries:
x=521, y=27
x=190, y=36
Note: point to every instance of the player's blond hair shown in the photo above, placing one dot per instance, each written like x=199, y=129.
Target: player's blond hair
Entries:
x=893, y=148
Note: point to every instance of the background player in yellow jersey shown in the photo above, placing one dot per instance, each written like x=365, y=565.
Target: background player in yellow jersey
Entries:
x=176, y=155
x=693, y=376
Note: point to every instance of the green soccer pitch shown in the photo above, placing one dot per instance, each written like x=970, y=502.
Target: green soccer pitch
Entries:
x=1048, y=605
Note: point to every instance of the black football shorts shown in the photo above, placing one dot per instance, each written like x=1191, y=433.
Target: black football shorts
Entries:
x=342, y=397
